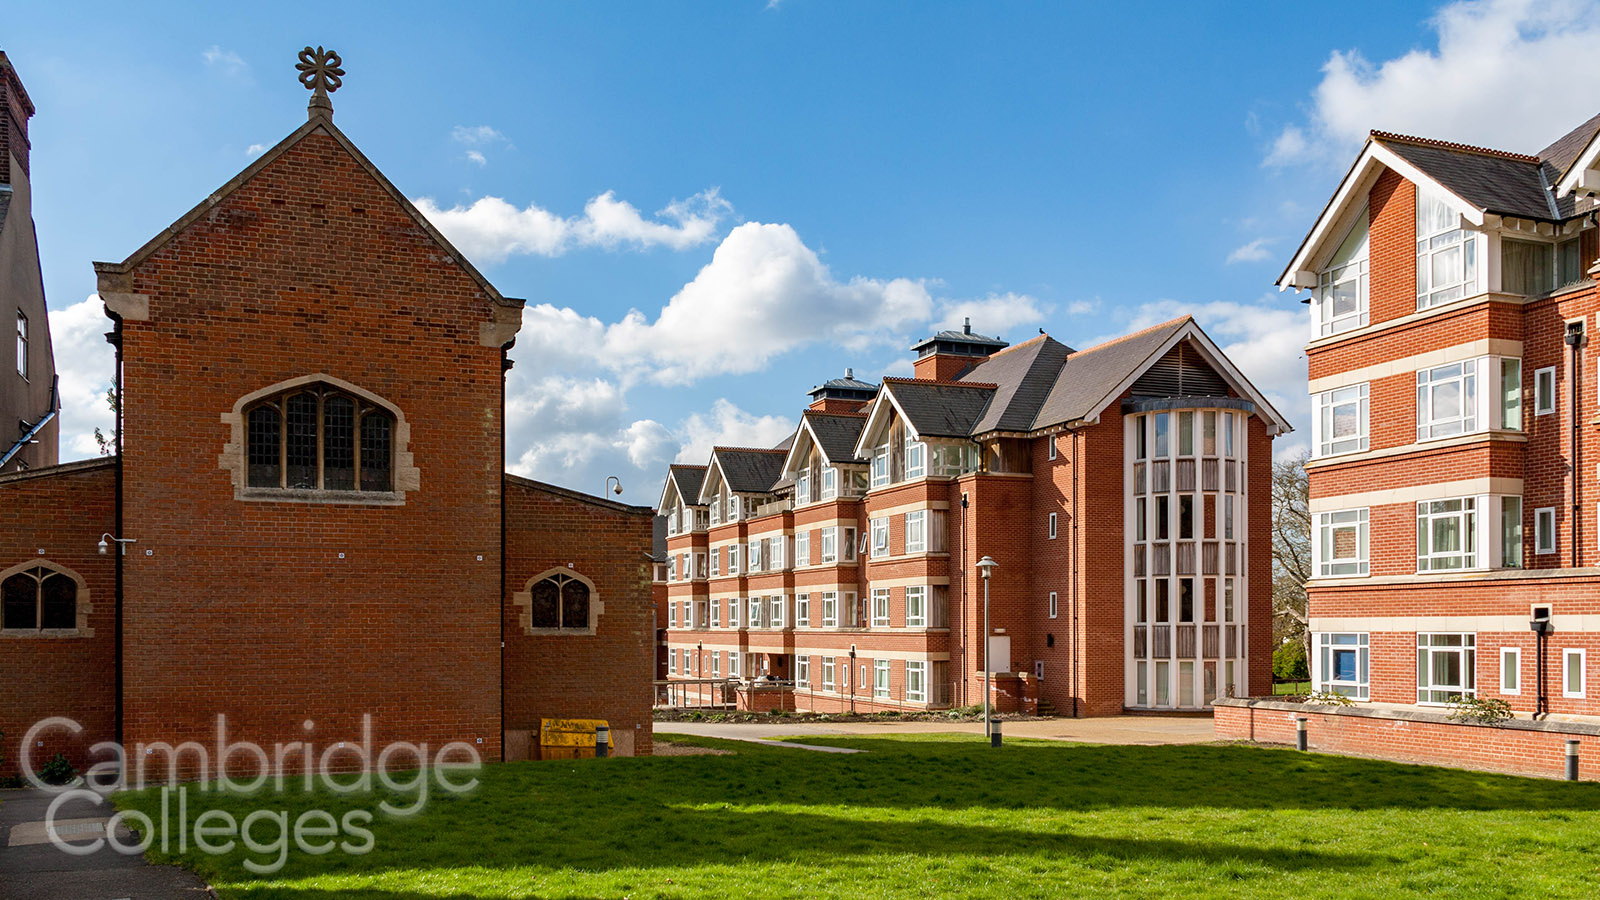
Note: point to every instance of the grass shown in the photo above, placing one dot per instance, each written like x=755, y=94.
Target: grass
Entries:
x=930, y=816
x=1292, y=688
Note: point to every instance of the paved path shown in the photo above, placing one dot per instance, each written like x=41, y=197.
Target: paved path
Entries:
x=1103, y=730
x=31, y=868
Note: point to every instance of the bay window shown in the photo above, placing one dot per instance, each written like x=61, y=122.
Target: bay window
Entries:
x=802, y=610
x=1341, y=665
x=917, y=682
x=880, y=467
x=1446, y=666
x=917, y=607
x=1447, y=260
x=915, y=457
x=830, y=546
x=916, y=531
x=830, y=609
x=880, y=537
x=830, y=482
x=1340, y=300
x=1447, y=534
x=880, y=606
x=1447, y=400
x=802, y=488
x=1341, y=545
x=802, y=548
x=1340, y=421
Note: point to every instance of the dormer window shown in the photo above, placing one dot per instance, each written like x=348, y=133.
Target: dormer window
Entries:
x=1447, y=259
x=319, y=438
x=1340, y=303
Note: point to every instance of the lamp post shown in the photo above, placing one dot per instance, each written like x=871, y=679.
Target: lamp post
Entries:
x=611, y=478
x=986, y=565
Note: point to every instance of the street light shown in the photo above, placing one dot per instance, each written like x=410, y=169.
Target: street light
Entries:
x=985, y=566
x=611, y=478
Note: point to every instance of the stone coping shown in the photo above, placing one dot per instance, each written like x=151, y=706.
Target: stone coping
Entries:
x=1586, y=725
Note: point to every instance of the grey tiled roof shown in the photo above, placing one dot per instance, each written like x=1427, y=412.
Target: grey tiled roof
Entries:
x=849, y=384
x=1024, y=375
x=836, y=434
x=750, y=471
x=1560, y=156
x=689, y=479
x=1494, y=183
x=658, y=539
x=940, y=409
x=1089, y=375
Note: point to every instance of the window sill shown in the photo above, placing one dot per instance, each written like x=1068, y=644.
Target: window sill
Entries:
x=1443, y=443
x=347, y=498
x=565, y=632
x=31, y=634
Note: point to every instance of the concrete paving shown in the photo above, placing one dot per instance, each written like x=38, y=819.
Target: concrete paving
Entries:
x=1147, y=730
x=31, y=868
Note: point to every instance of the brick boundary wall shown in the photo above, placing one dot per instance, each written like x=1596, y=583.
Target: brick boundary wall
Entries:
x=1518, y=747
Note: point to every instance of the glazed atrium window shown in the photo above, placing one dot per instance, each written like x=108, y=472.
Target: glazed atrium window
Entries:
x=1340, y=301
x=1447, y=259
x=320, y=438
x=559, y=601
x=38, y=599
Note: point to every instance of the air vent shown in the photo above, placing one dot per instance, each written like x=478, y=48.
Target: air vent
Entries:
x=1182, y=372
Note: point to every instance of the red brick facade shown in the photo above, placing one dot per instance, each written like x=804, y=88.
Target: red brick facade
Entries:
x=280, y=608
x=1530, y=447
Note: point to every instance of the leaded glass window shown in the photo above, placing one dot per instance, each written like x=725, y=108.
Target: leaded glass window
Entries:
x=319, y=438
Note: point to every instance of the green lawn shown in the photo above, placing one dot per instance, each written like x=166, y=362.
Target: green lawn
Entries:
x=1291, y=687
x=944, y=816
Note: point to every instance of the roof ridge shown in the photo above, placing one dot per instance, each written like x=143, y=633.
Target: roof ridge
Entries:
x=1133, y=334
x=750, y=450
x=890, y=379
x=686, y=466
x=1004, y=350
x=1452, y=145
x=819, y=412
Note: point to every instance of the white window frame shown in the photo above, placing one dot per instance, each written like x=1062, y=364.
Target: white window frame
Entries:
x=735, y=604
x=880, y=537
x=917, y=531
x=1326, y=523
x=1544, y=531
x=1052, y=607
x=733, y=559
x=830, y=545
x=848, y=539
x=1052, y=526
x=1437, y=239
x=777, y=607
x=916, y=457
x=802, y=670
x=916, y=681
x=734, y=668
x=1326, y=406
x=1566, y=673
x=830, y=609
x=1542, y=379
x=753, y=556
x=1354, y=269
x=1436, y=695
x=1325, y=646
x=880, y=467
x=716, y=613
x=802, y=488
x=802, y=610
x=880, y=679
x=1050, y=442
x=757, y=607
x=880, y=607
x=1468, y=529
x=716, y=562
x=917, y=606
x=716, y=663
x=24, y=335
x=830, y=483
x=1464, y=376
x=1514, y=654
x=802, y=549
x=672, y=615
x=828, y=681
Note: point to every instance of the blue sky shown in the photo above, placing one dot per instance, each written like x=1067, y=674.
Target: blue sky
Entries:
x=712, y=207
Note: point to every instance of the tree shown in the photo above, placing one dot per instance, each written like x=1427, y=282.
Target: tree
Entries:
x=1291, y=549
x=108, y=445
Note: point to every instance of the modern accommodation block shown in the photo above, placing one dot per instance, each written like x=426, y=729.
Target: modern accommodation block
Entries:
x=1122, y=490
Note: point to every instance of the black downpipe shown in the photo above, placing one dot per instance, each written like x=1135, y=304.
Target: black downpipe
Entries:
x=115, y=340
x=1072, y=573
x=1540, y=629
x=1574, y=339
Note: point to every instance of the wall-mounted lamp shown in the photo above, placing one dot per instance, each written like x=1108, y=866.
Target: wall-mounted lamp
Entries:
x=124, y=542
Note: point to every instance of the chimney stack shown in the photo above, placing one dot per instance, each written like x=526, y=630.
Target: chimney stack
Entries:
x=15, y=111
x=948, y=354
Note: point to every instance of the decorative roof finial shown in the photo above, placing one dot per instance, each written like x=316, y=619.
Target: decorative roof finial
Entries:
x=320, y=72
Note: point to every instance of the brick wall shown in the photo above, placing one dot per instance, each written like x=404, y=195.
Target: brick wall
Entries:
x=605, y=675
x=1468, y=746
x=58, y=516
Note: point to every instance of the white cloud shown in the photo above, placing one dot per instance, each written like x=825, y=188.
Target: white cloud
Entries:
x=1263, y=339
x=1489, y=81
x=476, y=157
x=994, y=314
x=763, y=294
x=492, y=229
x=255, y=150
x=476, y=135
x=85, y=364
x=1083, y=307
x=225, y=61
x=728, y=426
x=1255, y=251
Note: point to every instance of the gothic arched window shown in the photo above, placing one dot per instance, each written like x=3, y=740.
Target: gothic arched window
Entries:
x=39, y=598
x=560, y=601
x=317, y=437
